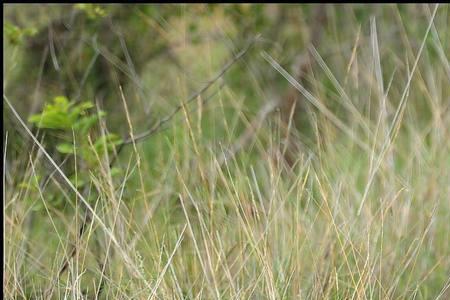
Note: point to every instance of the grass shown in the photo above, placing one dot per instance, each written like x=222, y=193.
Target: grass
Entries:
x=362, y=213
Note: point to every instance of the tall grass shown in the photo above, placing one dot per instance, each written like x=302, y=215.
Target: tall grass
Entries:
x=363, y=213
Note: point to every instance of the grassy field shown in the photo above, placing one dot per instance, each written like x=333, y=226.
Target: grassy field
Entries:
x=226, y=151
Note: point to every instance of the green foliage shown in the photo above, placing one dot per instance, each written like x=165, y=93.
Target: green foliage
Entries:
x=15, y=34
x=93, y=11
x=108, y=141
x=76, y=123
x=63, y=115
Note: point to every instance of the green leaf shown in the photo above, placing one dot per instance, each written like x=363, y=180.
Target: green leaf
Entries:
x=115, y=171
x=65, y=148
x=85, y=105
x=51, y=120
x=83, y=125
x=110, y=140
x=93, y=11
x=15, y=35
x=54, y=116
x=77, y=181
x=61, y=114
x=61, y=101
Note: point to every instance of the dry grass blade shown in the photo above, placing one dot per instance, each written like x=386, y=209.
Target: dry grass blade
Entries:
x=395, y=125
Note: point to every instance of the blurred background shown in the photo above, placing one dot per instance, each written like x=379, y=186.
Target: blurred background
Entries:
x=160, y=54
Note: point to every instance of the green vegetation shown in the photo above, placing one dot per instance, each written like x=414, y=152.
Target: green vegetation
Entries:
x=238, y=151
